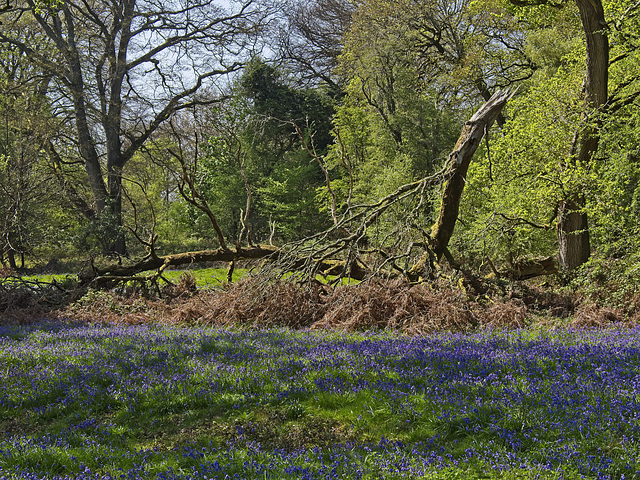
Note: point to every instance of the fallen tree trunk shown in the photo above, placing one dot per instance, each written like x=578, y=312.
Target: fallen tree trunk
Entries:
x=321, y=260
x=113, y=274
x=118, y=273
x=186, y=258
x=532, y=267
x=459, y=159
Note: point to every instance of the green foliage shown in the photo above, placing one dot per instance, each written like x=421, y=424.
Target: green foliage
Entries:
x=255, y=147
x=613, y=184
x=414, y=75
x=392, y=126
x=288, y=195
x=48, y=6
x=609, y=281
x=275, y=102
x=32, y=222
x=411, y=139
x=518, y=182
x=221, y=181
x=515, y=187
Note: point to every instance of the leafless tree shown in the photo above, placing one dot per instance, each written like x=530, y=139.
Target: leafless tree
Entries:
x=310, y=40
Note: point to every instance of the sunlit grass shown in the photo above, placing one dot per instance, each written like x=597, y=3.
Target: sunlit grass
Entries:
x=81, y=401
x=205, y=278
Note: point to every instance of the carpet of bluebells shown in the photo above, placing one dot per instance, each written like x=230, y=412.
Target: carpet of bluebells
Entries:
x=108, y=402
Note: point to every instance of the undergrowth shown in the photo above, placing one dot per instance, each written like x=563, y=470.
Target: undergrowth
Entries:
x=445, y=304
x=371, y=305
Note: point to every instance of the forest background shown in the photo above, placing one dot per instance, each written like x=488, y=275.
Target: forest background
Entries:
x=324, y=133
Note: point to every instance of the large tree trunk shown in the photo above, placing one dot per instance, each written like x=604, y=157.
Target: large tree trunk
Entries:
x=11, y=256
x=116, y=273
x=459, y=159
x=573, y=232
x=470, y=138
x=117, y=242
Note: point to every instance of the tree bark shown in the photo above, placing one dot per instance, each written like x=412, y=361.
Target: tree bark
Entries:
x=106, y=277
x=114, y=206
x=573, y=232
x=11, y=256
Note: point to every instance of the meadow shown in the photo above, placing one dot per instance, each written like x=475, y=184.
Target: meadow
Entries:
x=80, y=401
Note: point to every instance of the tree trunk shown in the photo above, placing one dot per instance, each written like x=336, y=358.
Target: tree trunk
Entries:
x=573, y=232
x=459, y=159
x=117, y=243
x=470, y=138
x=11, y=256
x=117, y=273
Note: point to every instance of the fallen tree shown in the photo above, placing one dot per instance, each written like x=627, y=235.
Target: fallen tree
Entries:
x=472, y=134
x=345, y=250
x=110, y=275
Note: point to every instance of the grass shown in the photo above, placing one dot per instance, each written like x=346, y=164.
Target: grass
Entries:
x=88, y=401
x=205, y=277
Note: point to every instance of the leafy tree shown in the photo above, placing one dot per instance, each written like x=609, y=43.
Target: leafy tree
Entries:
x=515, y=187
x=121, y=68
x=27, y=126
x=247, y=158
x=541, y=160
x=612, y=181
x=393, y=125
x=280, y=123
x=464, y=50
x=573, y=231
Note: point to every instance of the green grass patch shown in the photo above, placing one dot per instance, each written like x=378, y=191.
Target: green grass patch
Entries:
x=205, y=277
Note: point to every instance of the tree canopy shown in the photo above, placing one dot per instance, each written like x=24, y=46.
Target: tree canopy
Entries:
x=120, y=69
